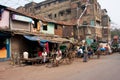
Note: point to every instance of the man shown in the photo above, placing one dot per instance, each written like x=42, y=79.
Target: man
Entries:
x=85, y=58
x=80, y=52
x=44, y=54
x=59, y=56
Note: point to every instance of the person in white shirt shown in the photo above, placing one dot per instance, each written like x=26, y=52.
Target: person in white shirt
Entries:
x=44, y=54
x=80, y=52
x=25, y=55
x=59, y=56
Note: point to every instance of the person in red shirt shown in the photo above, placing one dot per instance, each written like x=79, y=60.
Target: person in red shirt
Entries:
x=39, y=52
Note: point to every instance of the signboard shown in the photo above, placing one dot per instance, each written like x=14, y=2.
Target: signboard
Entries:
x=21, y=18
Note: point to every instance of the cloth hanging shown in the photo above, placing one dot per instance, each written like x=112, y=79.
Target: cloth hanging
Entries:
x=47, y=47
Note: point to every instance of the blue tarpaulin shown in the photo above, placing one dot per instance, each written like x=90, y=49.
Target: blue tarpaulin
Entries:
x=36, y=38
x=5, y=35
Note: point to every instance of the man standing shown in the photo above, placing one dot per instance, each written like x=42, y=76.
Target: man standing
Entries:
x=85, y=58
x=44, y=54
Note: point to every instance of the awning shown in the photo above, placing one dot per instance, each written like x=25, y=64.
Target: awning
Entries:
x=35, y=38
x=60, y=40
x=46, y=39
x=5, y=34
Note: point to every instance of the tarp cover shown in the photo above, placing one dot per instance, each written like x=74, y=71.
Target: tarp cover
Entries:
x=35, y=38
x=5, y=35
x=63, y=47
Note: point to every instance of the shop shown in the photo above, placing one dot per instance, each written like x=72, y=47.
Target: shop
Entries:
x=28, y=43
x=4, y=46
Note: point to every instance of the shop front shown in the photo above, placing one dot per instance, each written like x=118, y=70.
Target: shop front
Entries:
x=4, y=46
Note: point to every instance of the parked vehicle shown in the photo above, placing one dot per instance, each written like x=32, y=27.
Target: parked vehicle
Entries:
x=119, y=48
x=115, y=44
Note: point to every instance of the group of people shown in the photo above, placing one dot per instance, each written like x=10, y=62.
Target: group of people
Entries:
x=86, y=51
x=83, y=50
x=44, y=54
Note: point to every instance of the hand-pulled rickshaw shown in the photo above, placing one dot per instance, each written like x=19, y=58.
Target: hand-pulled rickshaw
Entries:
x=66, y=47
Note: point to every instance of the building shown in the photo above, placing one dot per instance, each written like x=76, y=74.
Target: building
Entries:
x=71, y=11
x=21, y=32
x=106, y=26
x=12, y=25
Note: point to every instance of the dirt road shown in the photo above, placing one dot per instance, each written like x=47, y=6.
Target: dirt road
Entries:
x=105, y=68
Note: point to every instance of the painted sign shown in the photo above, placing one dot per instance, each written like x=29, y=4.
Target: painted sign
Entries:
x=21, y=18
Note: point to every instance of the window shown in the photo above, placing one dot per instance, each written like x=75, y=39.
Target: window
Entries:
x=61, y=13
x=38, y=7
x=83, y=7
x=96, y=7
x=35, y=24
x=68, y=11
x=92, y=23
x=45, y=6
x=56, y=26
x=45, y=27
x=105, y=31
x=49, y=4
x=61, y=1
x=50, y=16
x=85, y=23
x=55, y=15
x=73, y=0
x=91, y=1
x=79, y=4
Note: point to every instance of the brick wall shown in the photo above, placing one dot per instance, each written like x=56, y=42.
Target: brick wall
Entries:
x=67, y=31
x=59, y=30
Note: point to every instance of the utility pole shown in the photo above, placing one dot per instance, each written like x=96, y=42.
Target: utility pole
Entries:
x=78, y=21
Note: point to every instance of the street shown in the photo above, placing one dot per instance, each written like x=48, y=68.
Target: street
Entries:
x=105, y=68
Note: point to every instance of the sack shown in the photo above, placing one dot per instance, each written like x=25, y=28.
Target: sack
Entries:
x=102, y=49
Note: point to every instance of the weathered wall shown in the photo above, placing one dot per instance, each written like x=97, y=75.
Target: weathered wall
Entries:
x=50, y=28
x=53, y=10
x=67, y=31
x=4, y=22
x=58, y=11
x=59, y=30
x=20, y=25
x=18, y=44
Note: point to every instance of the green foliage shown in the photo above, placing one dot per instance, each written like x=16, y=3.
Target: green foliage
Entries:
x=115, y=32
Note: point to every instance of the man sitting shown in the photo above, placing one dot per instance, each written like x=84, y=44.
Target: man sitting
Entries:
x=59, y=56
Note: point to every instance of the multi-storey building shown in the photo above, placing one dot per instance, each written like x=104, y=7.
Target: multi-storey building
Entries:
x=106, y=25
x=88, y=24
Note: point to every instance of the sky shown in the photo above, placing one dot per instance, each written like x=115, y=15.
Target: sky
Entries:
x=112, y=7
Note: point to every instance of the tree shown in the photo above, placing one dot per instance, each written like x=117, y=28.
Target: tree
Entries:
x=115, y=32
